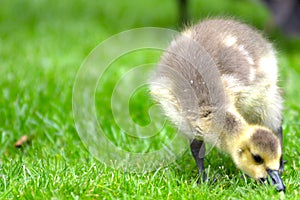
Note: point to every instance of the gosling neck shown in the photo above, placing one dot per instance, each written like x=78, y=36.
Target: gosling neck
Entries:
x=234, y=131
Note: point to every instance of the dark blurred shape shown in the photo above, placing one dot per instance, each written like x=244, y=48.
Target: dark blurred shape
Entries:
x=183, y=12
x=286, y=14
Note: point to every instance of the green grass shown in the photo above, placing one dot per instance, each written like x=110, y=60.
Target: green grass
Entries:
x=42, y=45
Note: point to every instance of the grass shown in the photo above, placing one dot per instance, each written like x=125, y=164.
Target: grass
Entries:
x=42, y=45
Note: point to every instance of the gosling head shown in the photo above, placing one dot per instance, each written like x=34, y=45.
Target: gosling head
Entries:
x=258, y=154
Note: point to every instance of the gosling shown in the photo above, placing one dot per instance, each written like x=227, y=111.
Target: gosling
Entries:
x=217, y=82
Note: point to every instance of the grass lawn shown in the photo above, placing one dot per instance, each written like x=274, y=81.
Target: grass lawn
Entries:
x=42, y=45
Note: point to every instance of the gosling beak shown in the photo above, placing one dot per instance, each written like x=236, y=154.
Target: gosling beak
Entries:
x=276, y=180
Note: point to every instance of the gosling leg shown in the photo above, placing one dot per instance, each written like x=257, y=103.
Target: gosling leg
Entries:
x=198, y=151
x=279, y=132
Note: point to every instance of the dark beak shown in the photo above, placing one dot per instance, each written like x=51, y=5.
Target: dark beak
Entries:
x=276, y=180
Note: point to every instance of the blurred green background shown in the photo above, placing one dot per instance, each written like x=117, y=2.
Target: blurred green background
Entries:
x=42, y=45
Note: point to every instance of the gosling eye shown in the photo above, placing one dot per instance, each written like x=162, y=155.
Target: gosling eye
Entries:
x=257, y=159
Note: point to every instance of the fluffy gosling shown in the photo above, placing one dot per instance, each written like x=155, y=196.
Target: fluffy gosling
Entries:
x=217, y=82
